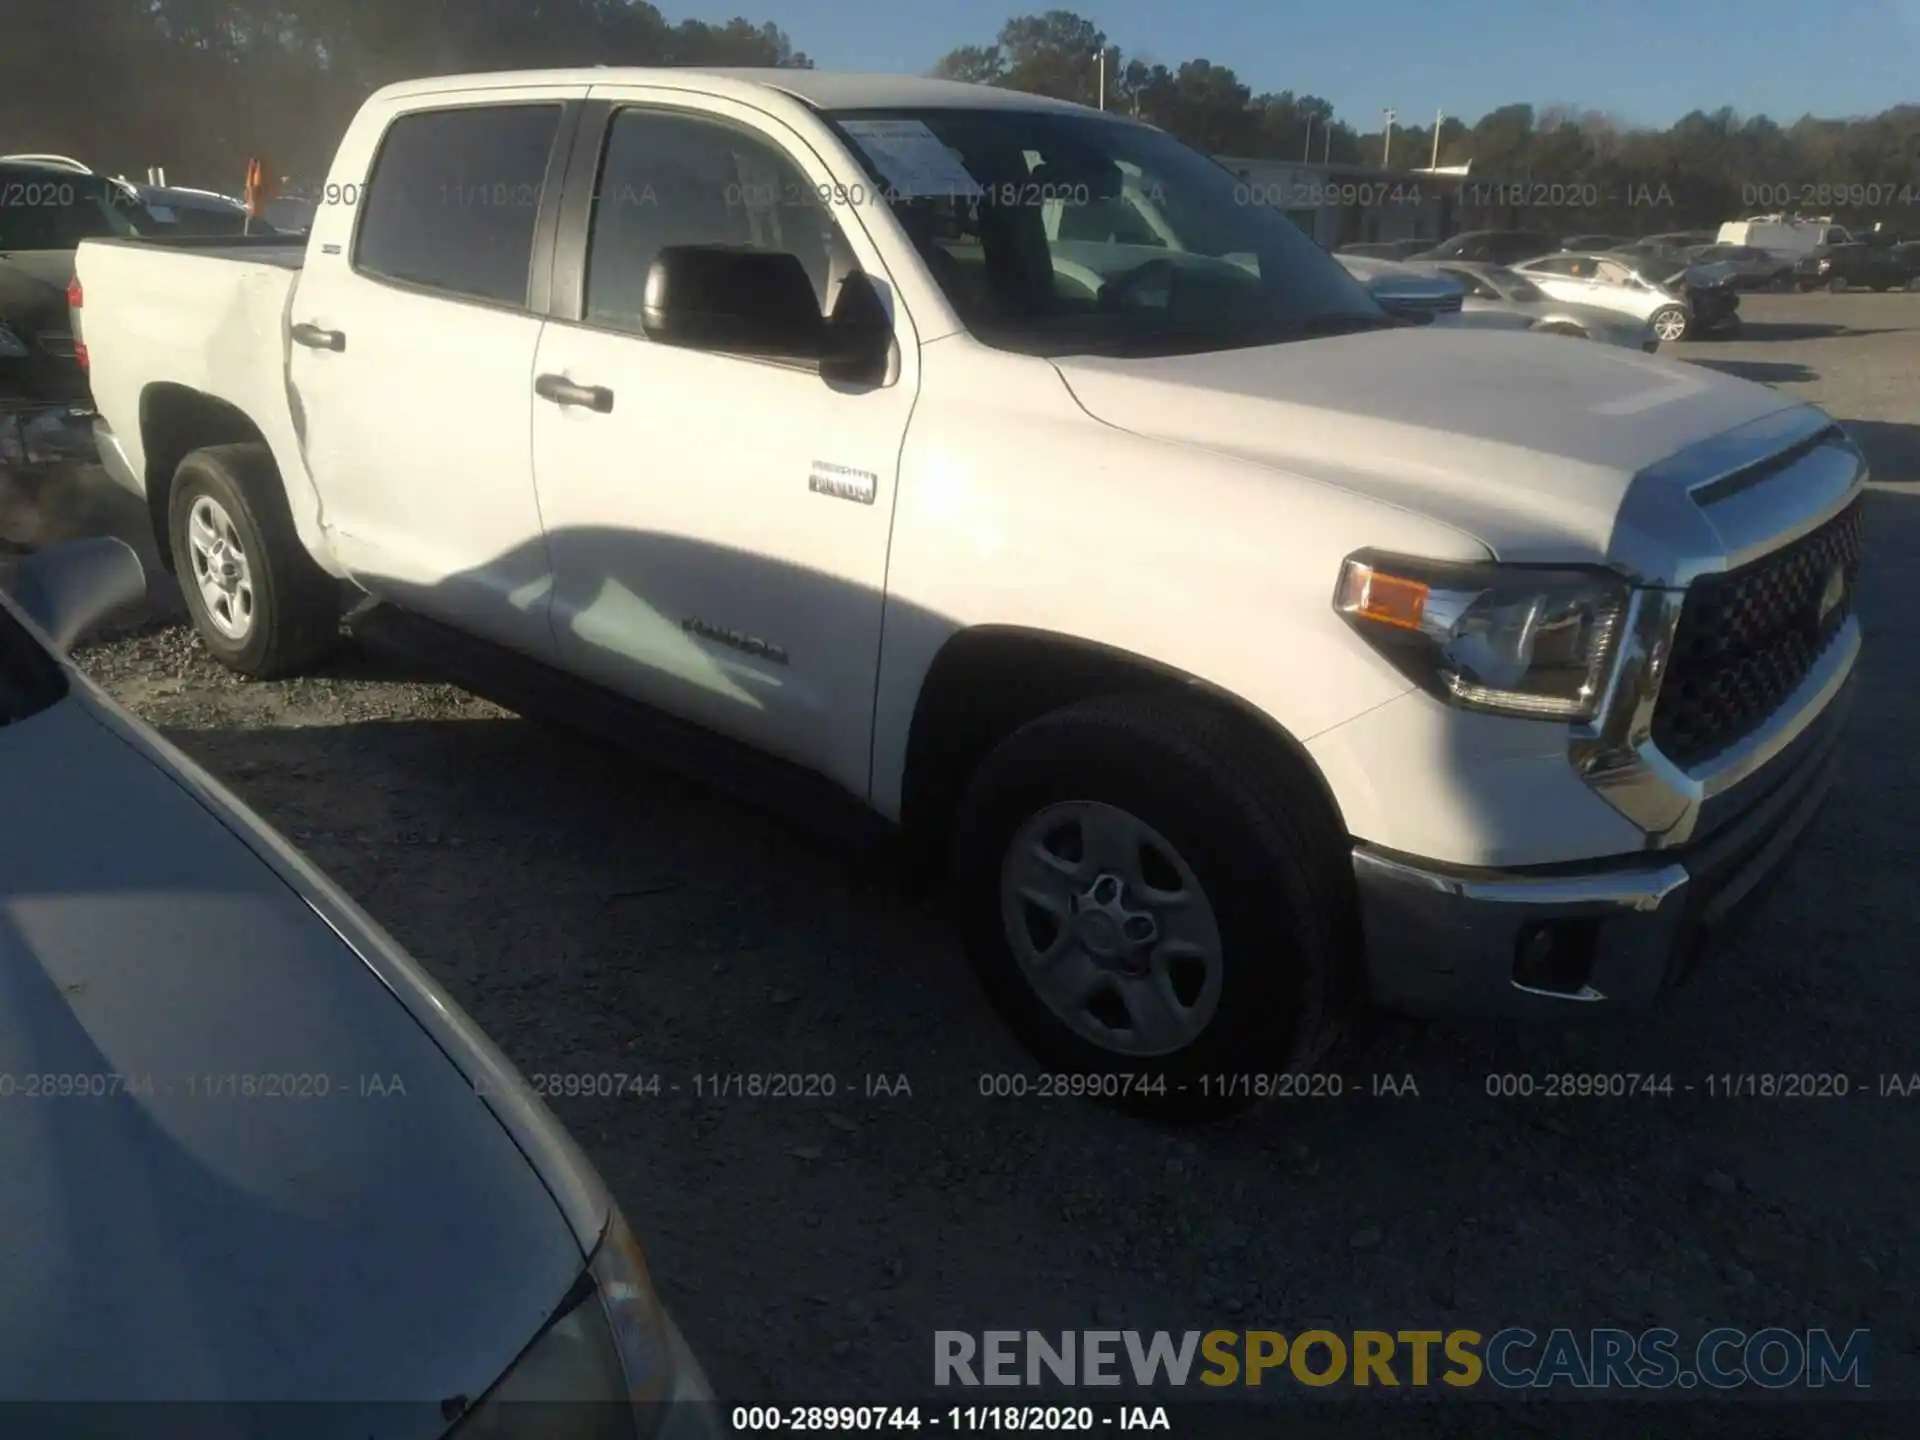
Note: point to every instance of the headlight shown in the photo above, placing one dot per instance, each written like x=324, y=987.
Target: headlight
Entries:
x=611, y=1366
x=1510, y=639
x=12, y=347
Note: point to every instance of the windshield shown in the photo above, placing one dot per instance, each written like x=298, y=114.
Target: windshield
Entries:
x=1057, y=234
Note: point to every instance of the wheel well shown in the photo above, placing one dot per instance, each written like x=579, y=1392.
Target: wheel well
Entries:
x=174, y=422
x=989, y=681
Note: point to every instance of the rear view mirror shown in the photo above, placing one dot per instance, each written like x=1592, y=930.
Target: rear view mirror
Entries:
x=68, y=590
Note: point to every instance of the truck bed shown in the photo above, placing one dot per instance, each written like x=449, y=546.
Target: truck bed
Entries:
x=286, y=251
x=206, y=313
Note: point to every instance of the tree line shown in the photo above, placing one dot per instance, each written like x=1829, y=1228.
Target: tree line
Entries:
x=199, y=85
x=1588, y=168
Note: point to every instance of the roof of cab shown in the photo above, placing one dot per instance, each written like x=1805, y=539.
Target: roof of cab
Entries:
x=822, y=89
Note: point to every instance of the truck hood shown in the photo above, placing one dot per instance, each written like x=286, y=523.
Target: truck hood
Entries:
x=360, y=1227
x=1527, y=443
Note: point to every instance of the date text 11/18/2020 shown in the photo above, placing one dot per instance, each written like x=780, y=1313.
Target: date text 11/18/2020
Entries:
x=714, y=1085
x=1554, y=195
x=897, y=1419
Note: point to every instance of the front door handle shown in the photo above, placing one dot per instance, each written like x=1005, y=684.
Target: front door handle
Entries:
x=314, y=338
x=562, y=391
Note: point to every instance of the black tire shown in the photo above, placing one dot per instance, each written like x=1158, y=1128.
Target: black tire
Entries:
x=1653, y=323
x=1271, y=860
x=295, y=617
x=1837, y=285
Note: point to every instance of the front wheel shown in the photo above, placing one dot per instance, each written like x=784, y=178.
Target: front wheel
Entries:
x=1837, y=285
x=1157, y=901
x=1669, y=324
x=261, y=605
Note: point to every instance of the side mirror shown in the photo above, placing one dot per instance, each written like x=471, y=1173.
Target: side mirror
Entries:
x=734, y=299
x=859, y=336
x=743, y=301
x=69, y=589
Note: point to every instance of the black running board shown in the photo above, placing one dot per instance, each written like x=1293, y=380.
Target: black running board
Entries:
x=530, y=688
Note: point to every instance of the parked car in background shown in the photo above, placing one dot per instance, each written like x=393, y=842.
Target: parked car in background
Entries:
x=1384, y=249
x=1681, y=239
x=199, y=212
x=1594, y=242
x=1496, y=290
x=250, y=1153
x=289, y=214
x=1495, y=247
x=1611, y=283
x=1713, y=299
x=1750, y=267
x=47, y=207
x=1886, y=265
x=1406, y=292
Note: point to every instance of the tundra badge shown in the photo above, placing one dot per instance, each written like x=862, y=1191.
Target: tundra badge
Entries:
x=843, y=483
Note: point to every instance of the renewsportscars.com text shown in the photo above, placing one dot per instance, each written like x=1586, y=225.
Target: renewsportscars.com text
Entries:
x=1514, y=1358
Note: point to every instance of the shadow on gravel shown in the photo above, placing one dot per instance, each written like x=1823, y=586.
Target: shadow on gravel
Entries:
x=1893, y=450
x=1767, y=372
x=1778, y=330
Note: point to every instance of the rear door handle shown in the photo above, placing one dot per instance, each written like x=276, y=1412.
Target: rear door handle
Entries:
x=562, y=391
x=314, y=338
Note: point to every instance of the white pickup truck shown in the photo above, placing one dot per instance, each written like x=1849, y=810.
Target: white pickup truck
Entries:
x=1242, y=654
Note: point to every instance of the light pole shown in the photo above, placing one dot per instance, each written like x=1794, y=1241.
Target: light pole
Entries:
x=1386, y=142
x=1306, y=150
x=1103, y=76
x=1439, y=119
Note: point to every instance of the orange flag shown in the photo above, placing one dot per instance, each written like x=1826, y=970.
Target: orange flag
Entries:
x=259, y=188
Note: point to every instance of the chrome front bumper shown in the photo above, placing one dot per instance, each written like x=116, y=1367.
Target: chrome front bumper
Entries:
x=1613, y=934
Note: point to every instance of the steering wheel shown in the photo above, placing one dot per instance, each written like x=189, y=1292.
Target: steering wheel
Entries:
x=1114, y=293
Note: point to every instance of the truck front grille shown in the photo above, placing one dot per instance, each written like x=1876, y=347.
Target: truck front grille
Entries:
x=1748, y=637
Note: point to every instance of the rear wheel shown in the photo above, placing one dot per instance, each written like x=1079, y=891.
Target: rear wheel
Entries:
x=1837, y=284
x=261, y=605
x=1155, y=899
x=1669, y=324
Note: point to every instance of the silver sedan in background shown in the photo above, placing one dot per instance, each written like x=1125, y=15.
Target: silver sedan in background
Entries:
x=1495, y=290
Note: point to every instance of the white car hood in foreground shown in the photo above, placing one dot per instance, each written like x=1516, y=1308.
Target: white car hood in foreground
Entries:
x=1527, y=444
x=325, y=1237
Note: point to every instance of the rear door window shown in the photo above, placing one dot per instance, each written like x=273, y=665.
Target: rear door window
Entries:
x=454, y=197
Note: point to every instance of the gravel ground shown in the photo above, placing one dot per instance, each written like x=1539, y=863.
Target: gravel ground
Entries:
x=598, y=917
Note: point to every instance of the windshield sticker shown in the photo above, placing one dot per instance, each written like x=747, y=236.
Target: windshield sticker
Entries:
x=912, y=158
